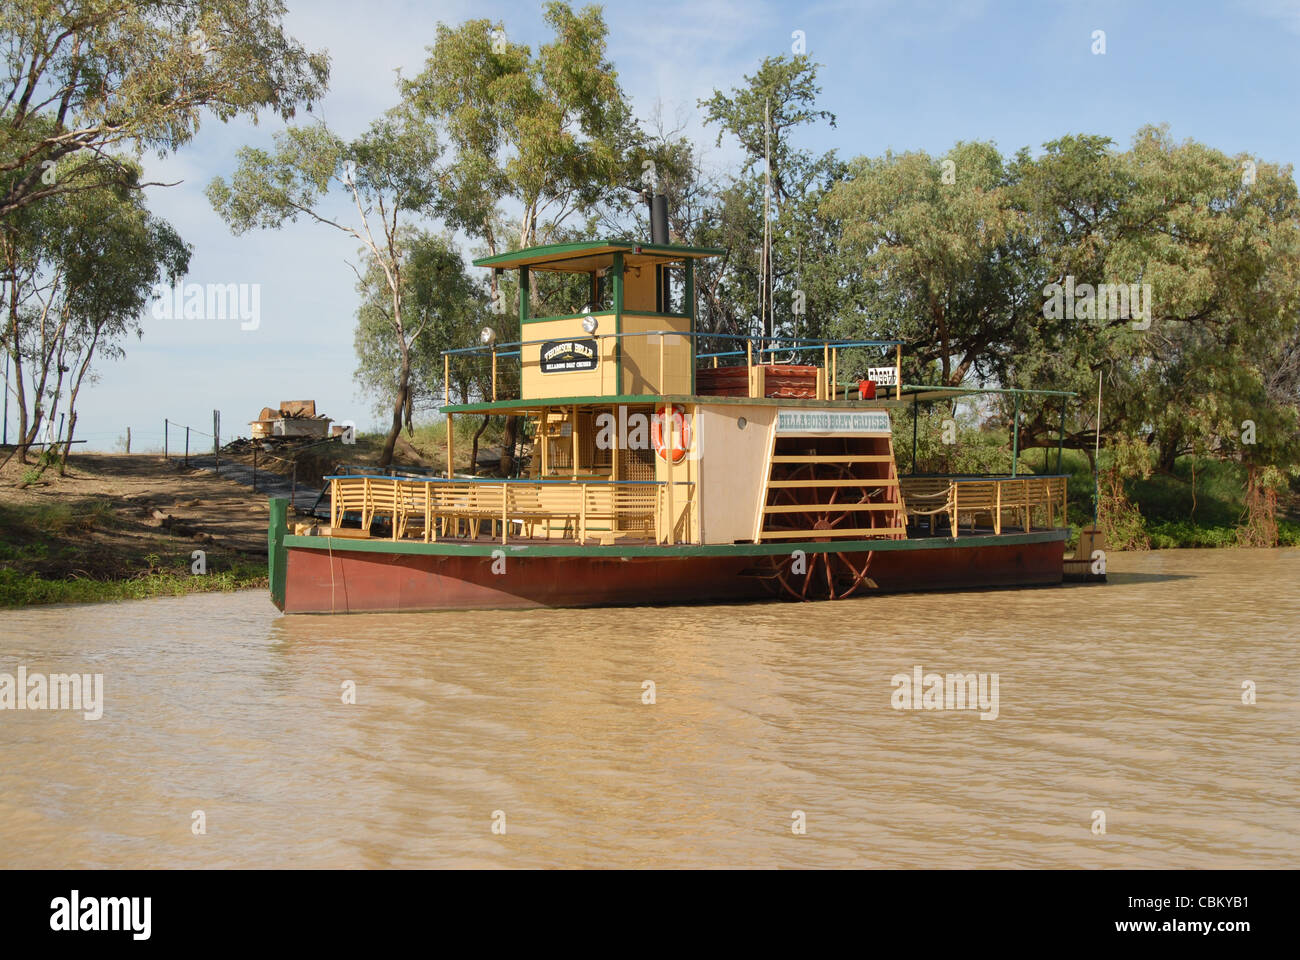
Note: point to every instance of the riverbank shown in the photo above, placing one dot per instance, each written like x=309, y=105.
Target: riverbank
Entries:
x=124, y=527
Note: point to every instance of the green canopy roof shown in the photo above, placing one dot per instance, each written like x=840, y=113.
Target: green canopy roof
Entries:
x=594, y=255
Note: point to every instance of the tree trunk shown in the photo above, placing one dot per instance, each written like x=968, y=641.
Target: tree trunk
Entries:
x=76, y=381
x=20, y=390
x=941, y=327
x=399, y=411
x=473, y=453
x=1168, y=455
x=506, y=465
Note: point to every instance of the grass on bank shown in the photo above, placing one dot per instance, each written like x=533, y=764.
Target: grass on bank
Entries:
x=18, y=589
x=75, y=551
x=430, y=439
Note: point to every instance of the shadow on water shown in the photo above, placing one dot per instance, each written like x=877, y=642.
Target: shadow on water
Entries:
x=1134, y=576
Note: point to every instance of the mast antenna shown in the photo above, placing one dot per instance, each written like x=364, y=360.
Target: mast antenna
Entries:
x=768, y=313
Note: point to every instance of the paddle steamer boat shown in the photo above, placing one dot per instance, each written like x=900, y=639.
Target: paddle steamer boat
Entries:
x=660, y=474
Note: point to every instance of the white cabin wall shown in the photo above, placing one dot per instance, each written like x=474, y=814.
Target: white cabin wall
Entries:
x=732, y=467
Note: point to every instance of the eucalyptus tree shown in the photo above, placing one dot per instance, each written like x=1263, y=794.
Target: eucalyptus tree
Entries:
x=942, y=249
x=390, y=175
x=78, y=269
x=548, y=133
x=438, y=296
x=551, y=132
x=97, y=77
x=1205, y=246
x=785, y=183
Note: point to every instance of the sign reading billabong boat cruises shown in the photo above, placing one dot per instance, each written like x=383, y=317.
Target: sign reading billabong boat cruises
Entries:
x=566, y=356
x=832, y=421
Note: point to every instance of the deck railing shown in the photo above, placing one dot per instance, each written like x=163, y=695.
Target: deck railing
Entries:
x=757, y=351
x=972, y=498
x=563, y=509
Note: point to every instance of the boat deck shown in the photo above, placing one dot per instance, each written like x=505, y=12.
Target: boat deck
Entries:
x=630, y=513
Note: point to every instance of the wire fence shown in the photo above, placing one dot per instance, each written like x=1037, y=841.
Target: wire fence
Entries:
x=183, y=443
x=168, y=425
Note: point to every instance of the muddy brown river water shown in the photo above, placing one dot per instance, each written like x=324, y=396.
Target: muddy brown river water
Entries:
x=1124, y=699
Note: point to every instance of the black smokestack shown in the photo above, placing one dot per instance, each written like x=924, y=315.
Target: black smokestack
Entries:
x=659, y=219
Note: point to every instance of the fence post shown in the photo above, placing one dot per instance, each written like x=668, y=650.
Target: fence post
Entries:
x=216, y=441
x=164, y=438
x=128, y=439
x=255, y=467
x=187, y=447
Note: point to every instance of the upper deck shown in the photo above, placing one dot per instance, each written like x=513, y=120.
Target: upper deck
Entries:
x=634, y=335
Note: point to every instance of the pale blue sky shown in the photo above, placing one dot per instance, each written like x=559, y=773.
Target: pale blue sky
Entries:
x=911, y=74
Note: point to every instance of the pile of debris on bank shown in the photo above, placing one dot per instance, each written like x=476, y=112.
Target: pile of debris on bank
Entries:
x=293, y=423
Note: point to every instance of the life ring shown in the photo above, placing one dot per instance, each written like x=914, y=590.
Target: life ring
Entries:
x=674, y=418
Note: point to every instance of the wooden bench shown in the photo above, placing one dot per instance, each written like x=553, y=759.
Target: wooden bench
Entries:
x=624, y=509
x=431, y=508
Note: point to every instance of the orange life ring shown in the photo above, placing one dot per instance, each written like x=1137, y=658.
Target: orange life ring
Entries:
x=674, y=448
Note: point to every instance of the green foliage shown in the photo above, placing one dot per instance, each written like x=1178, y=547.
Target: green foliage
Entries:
x=811, y=287
x=1183, y=533
x=443, y=307
x=551, y=131
x=79, y=268
x=977, y=448
x=85, y=79
x=945, y=260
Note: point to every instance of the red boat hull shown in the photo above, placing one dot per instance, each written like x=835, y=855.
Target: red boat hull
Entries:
x=343, y=581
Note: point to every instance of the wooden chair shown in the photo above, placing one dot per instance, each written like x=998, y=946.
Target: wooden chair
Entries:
x=928, y=497
x=349, y=495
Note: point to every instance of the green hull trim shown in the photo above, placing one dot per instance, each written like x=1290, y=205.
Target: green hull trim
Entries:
x=276, y=553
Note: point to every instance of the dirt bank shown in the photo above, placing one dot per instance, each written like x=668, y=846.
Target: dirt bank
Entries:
x=127, y=519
